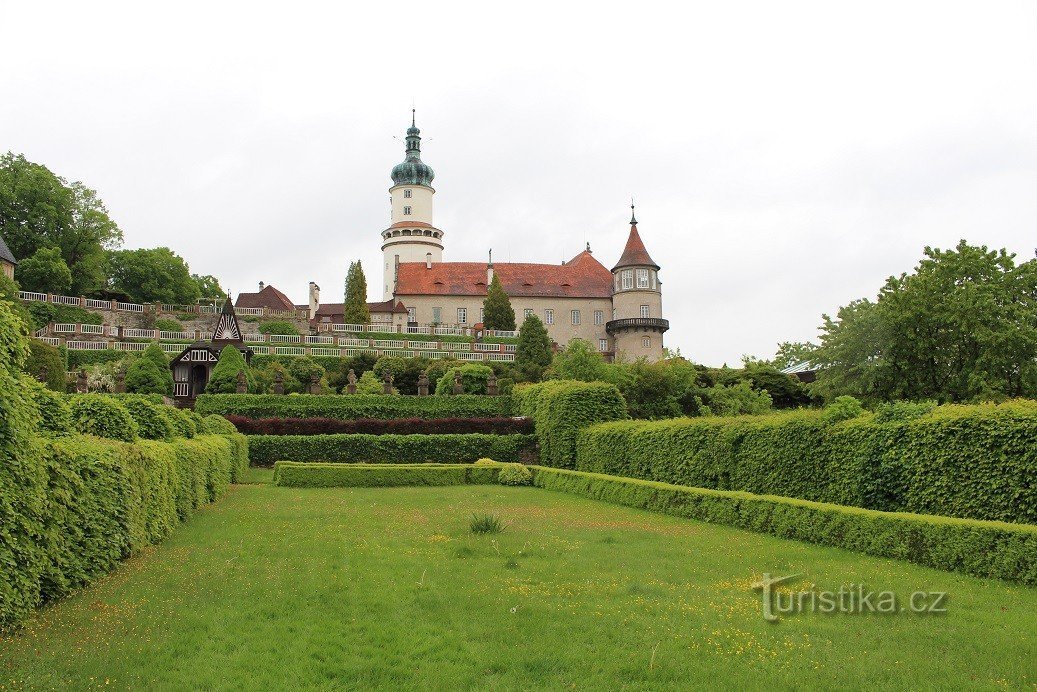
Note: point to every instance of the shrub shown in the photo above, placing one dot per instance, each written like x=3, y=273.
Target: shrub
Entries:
x=44, y=358
x=485, y=523
x=282, y=327
x=168, y=324
x=560, y=408
x=184, y=424
x=902, y=411
x=378, y=426
x=55, y=415
x=979, y=548
x=81, y=359
x=303, y=475
x=736, y=399
x=353, y=407
x=103, y=416
x=218, y=425
x=473, y=379
x=962, y=461
x=152, y=422
x=224, y=379
x=843, y=408
x=266, y=449
x=370, y=385
x=515, y=474
x=143, y=376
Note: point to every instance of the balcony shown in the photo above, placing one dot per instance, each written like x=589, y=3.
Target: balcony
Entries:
x=647, y=323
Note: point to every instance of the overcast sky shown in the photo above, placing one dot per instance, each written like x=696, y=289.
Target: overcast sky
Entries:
x=785, y=157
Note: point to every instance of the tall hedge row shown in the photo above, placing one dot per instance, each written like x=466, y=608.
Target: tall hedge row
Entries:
x=350, y=407
x=979, y=548
x=974, y=462
x=561, y=408
x=390, y=449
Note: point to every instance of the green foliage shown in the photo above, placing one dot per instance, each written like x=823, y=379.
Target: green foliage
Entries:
x=485, y=523
x=515, y=474
x=313, y=475
x=734, y=400
x=44, y=272
x=301, y=369
x=152, y=422
x=369, y=384
x=209, y=289
x=150, y=374
x=103, y=416
x=961, y=461
x=533, y=352
x=785, y=391
x=842, y=408
x=650, y=389
x=38, y=210
x=55, y=414
x=580, y=361
x=217, y=425
x=962, y=327
x=355, y=310
x=561, y=408
x=183, y=423
x=44, y=358
x=497, y=310
x=282, y=327
x=979, y=548
x=353, y=407
x=224, y=379
x=903, y=411
x=44, y=313
x=264, y=450
x=168, y=324
x=156, y=275
x=474, y=378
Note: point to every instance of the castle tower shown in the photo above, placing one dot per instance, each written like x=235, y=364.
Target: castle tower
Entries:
x=411, y=237
x=637, y=323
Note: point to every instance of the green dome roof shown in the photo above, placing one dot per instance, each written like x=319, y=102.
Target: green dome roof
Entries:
x=413, y=171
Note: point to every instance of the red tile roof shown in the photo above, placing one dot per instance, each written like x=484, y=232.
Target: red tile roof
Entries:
x=581, y=277
x=269, y=297
x=334, y=311
x=634, y=254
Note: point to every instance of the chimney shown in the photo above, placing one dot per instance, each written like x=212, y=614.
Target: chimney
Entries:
x=314, y=299
x=261, y=284
x=428, y=260
x=489, y=269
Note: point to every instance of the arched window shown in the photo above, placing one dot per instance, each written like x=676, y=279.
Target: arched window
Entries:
x=406, y=211
x=406, y=194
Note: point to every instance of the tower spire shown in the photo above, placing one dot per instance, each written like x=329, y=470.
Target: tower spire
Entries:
x=633, y=219
x=412, y=116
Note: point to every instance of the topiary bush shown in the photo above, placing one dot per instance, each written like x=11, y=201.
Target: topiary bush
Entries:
x=842, y=408
x=217, y=425
x=224, y=379
x=515, y=474
x=44, y=358
x=473, y=379
x=143, y=376
x=310, y=475
x=152, y=422
x=561, y=408
x=103, y=416
x=394, y=449
x=353, y=407
x=55, y=415
x=184, y=425
x=378, y=426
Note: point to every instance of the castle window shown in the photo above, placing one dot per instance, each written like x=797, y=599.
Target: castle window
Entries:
x=412, y=314
x=603, y=344
x=406, y=194
x=644, y=311
x=406, y=211
x=646, y=342
x=549, y=316
x=575, y=316
x=527, y=312
x=599, y=317
x=437, y=315
x=642, y=278
x=482, y=314
x=462, y=315
x=655, y=280
x=628, y=278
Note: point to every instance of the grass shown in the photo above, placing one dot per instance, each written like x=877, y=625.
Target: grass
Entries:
x=372, y=587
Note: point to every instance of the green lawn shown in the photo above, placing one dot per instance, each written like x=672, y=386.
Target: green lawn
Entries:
x=289, y=588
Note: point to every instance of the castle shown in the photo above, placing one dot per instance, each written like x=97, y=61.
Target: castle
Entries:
x=617, y=310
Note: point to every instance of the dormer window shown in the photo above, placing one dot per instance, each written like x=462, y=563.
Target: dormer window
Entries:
x=406, y=194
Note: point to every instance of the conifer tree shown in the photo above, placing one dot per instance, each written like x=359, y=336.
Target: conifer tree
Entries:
x=533, y=352
x=497, y=310
x=150, y=374
x=355, y=310
x=224, y=378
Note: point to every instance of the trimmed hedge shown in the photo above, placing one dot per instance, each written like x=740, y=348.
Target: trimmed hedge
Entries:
x=351, y=407
x=264, y=450
x=379, y=426
x=309, y=475
x=90, y=502
x=561, y=408
x=978, y=548
x=974, y=462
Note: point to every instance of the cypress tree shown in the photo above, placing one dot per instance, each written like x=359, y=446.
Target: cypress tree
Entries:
x=355, y=310
x=224, y=378
x=497, y=310
x=533, y=352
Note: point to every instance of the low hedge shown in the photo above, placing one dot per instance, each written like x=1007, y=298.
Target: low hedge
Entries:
x=264, y=450
x=978, y=548
x=87, y=502
x=379, y=426
x=561, y=408
x=309, y=475
x=974, y=462
x=352, y=407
